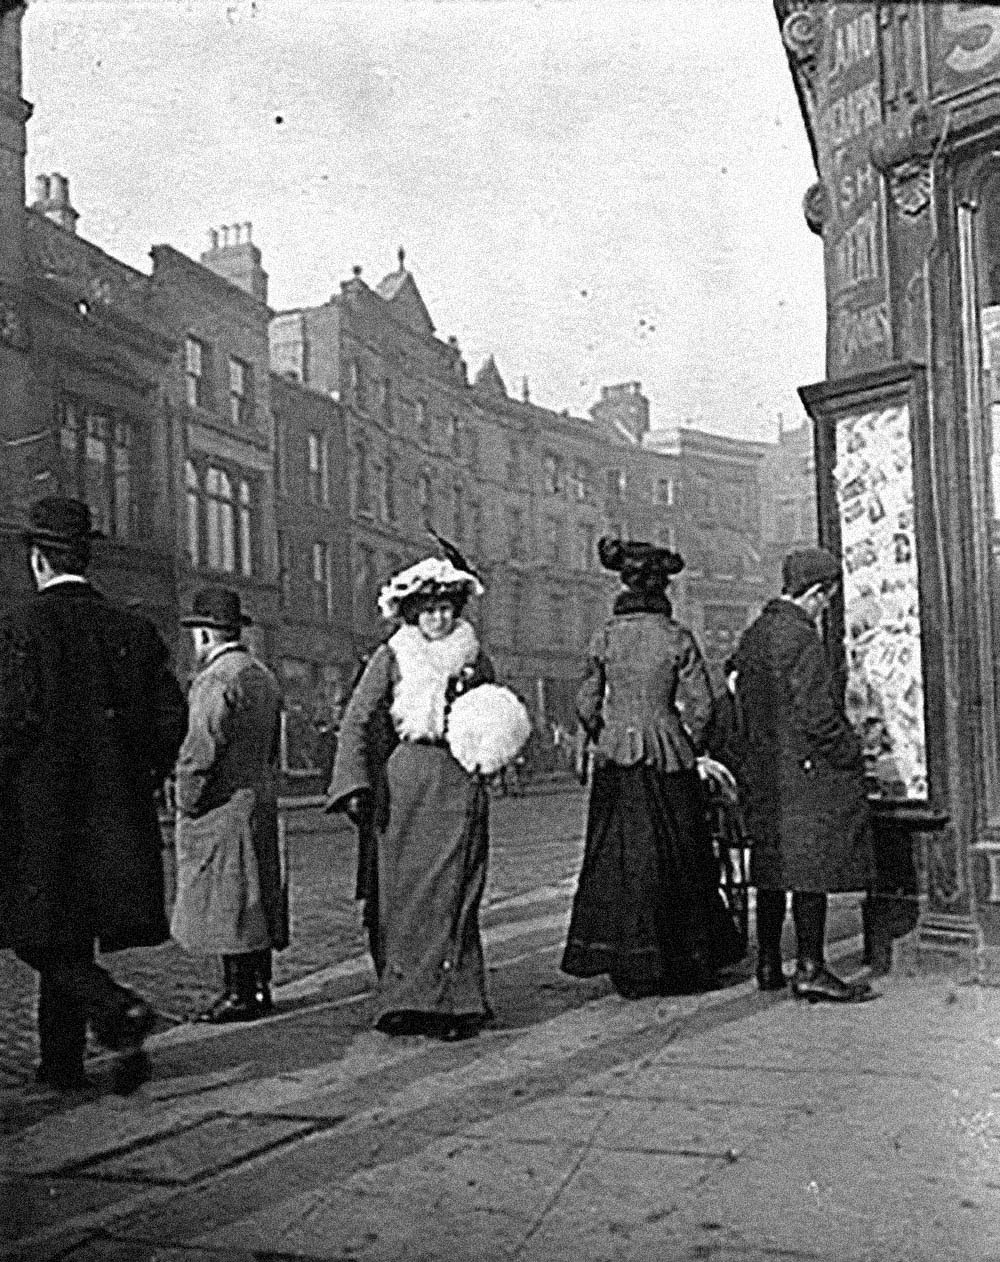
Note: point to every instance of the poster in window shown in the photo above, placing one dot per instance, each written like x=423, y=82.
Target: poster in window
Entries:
x=873, y=476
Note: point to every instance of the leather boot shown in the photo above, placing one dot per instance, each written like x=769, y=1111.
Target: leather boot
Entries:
x=262, y=981
x=242, y=1001
x=770, y=918
x=814, y=982
x=770, y=974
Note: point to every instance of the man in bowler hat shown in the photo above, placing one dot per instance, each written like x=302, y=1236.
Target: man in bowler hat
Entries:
x=802, y=779
x=91, y=718
x=232, y=897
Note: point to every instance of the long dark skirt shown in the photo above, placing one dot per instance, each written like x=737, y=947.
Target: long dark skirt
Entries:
x=648, y=909
x=432, y=860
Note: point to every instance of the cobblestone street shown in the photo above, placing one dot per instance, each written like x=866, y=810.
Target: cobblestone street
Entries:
x=537, y=840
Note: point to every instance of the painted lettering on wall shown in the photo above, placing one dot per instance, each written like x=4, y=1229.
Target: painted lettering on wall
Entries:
x=856, y=254
x=861, y=329
x=853, y=42
x=849, y=112
x=978, y=30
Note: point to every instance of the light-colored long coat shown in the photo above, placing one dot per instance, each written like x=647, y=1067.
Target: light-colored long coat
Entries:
x=232, y=893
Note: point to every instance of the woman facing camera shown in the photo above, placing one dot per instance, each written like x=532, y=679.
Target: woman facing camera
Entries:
x=647, y=909
x=431, y=832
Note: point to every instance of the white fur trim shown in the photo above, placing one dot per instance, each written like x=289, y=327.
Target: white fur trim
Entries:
x=488, y=727
x=431, y=573
x=425, y=667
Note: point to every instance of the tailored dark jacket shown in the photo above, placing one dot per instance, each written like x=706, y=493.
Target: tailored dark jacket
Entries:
x=91, y=718
x=232, y=890
x=801, y=775
x=646, y=695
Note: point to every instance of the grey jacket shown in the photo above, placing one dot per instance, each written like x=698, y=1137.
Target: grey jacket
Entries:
x=231, y=892
x=646, y=697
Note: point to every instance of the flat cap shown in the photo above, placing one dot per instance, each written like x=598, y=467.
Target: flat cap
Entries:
x=806, y=567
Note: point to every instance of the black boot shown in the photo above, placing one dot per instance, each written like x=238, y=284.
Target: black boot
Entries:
x=224, y=1001
x=770, y=919
x=813, y=981
x=261, y=964
x=242, y=999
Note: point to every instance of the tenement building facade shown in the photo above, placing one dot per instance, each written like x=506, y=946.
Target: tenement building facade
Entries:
x=524, y=491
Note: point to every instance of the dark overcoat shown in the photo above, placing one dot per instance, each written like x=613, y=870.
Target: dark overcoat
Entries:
x=91, y=718
x=801, y=774
x=232, y=888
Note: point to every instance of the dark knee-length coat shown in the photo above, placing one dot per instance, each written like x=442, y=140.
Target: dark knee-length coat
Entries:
x=91, y=718
x=801, y=773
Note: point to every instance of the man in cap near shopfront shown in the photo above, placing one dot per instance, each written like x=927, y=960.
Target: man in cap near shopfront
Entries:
x=231, y=886
x=91, y=718
x=802, y=779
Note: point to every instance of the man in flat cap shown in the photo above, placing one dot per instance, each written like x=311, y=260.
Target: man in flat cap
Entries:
x=802, y=779
x=91, y=718
x=231, y=887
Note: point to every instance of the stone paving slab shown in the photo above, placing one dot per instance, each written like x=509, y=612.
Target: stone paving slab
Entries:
x=458, y=1199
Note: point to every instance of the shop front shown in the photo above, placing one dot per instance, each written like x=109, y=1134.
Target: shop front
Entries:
x=902, y=105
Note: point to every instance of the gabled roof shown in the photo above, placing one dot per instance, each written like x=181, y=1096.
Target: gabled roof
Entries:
x=400, y=291
x=488, y=379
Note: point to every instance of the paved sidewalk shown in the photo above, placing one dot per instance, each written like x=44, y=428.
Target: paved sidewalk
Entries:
x=725, y=1126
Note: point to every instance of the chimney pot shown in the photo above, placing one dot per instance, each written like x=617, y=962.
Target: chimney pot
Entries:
x=402, y=259
x=356, y=269
x=248, y=230
x=42, y=188
x=213, y=239
x=60, y=190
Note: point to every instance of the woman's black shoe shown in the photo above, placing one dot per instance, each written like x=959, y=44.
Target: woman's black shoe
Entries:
x=816, y=984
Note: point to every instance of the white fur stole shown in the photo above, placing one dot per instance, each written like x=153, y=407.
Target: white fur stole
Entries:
x=425, y=668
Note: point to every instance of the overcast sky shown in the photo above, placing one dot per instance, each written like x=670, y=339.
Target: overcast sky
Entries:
x=591, y=190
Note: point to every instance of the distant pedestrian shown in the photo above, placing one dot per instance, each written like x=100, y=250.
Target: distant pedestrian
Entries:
x=801, y=778
x=647, y=910
x=429, y=824
x=91, y=718
x=232, y=894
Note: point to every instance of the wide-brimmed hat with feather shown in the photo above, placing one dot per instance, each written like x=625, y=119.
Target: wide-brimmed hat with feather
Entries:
x=433, y=577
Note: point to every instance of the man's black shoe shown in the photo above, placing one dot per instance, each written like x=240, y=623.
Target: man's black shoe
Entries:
x=130, y=1071
x=816, y=984
x=63, y=1080
x=770, y=974
x=229, y=1009
x=131, y=1028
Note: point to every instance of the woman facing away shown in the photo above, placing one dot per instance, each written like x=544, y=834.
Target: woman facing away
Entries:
x=647, y=910
x=431, y=832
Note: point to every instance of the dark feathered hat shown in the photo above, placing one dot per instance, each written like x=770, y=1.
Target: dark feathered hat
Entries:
x=640, y=564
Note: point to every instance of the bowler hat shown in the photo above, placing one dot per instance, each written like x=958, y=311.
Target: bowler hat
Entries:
x=806, y=567
x=217, y=607
x=59, y=519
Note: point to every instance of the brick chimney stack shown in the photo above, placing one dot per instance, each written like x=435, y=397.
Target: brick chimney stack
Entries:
x=232, y=255
x=626, y=406
x=52, y=201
